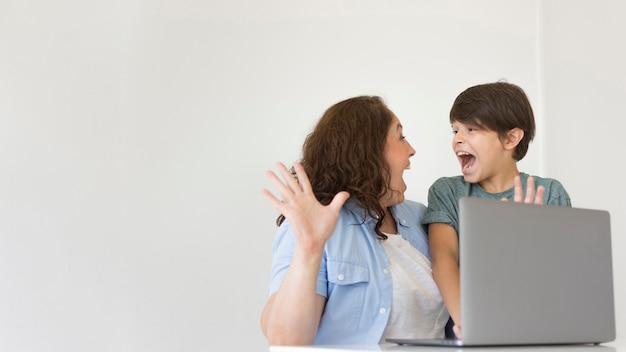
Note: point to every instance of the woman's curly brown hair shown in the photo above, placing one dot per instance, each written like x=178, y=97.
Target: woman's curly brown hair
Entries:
x=345, y=152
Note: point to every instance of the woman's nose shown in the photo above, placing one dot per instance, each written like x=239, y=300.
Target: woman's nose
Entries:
x=411, y=150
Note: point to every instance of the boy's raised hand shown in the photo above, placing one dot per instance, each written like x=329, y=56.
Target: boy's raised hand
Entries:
x=532, y=195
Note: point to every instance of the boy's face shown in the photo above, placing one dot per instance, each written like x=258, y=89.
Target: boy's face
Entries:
x=482, y=154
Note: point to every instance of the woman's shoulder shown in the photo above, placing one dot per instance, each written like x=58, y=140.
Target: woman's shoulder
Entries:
x=411, y=204
x=411, y=208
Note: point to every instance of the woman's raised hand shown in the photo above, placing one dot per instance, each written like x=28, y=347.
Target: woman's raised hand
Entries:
x=312, y=222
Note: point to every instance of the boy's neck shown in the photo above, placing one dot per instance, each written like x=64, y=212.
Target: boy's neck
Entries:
x=499, y=183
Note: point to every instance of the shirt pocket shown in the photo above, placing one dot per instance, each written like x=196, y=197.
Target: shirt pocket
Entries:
x=344, y=273
x=348, y=288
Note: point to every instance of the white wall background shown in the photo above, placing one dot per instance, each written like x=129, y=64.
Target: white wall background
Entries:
x=585, y=87
x=134, y=136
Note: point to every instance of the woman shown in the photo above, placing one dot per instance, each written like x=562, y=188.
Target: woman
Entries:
x=350, y=261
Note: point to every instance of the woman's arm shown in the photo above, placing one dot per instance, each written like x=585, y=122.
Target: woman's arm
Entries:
x=292, y=314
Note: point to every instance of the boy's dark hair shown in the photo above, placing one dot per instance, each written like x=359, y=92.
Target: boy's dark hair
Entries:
x=500, y=107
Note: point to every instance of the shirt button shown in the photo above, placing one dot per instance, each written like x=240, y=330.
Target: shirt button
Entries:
x=385, y=271
x=403, y=222
x=340, y=277
x=383, y=310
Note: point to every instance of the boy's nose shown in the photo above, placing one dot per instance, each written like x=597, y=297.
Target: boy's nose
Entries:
x=458, y=138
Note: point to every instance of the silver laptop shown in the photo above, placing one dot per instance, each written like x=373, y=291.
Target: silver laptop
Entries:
x=532, y=275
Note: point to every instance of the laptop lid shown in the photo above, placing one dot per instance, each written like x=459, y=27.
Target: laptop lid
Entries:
x=534, y=274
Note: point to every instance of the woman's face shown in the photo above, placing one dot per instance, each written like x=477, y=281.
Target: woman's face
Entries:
x=397, y=153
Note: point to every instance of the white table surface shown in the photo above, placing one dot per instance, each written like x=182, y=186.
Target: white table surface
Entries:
x=615, y=346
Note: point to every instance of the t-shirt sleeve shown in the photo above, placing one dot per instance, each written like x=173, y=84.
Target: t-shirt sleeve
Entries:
x=556, y=194
x=442, y=204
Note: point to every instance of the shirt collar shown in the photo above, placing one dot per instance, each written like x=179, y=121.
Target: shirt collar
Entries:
x=359, y=211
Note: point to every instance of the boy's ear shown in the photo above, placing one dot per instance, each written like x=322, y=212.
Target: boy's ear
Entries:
x=513, y=137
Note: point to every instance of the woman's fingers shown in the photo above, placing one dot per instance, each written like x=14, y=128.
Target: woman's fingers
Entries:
x=289, y=178
x=283, y=188
x=291, y=186
x=302, y=178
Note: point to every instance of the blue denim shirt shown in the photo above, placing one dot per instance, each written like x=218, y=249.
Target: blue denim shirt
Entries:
x=354, y=274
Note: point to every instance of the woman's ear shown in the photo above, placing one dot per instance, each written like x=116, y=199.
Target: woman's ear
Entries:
x=513, y=137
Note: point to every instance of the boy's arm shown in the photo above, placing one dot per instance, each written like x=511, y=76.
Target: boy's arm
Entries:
x=444, y=254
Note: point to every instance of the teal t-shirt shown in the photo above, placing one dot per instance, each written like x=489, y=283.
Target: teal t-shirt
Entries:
x=444, y=195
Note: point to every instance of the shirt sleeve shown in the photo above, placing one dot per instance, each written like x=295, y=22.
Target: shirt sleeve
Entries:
x=442, y=204
x=284, y=245
x=557, y=195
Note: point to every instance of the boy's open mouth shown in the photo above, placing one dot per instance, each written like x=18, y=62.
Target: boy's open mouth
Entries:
x=467, y=160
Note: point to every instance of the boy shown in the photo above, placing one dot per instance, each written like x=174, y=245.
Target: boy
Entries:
x=493, y=124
